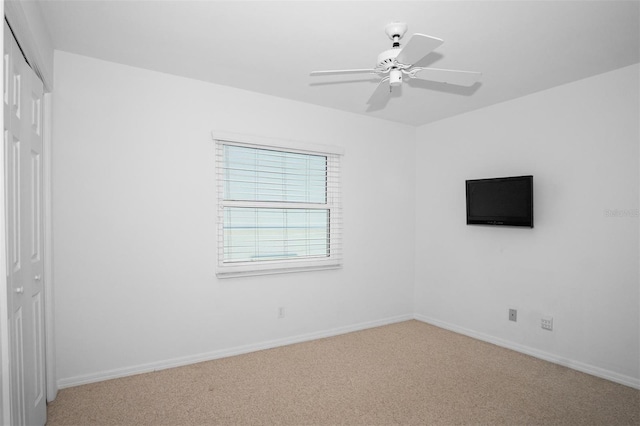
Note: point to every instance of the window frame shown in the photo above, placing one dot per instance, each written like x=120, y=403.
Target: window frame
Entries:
x=228, y=269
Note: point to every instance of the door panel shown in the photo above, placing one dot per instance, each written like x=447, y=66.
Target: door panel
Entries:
x=32, y=240
x=15, y=204
x=36, y=196
x=37, y=312
x=23, y=93
x=17, y=392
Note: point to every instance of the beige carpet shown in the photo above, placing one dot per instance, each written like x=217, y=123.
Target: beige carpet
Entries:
x=406, y=373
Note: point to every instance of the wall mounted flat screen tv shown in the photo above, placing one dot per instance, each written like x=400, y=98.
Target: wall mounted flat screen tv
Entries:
x=506, y=201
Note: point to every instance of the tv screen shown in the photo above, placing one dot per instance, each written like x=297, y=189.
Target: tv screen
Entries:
x=506, y=201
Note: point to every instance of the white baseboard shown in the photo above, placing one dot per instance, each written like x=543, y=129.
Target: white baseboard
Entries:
x=223, y=353
x=239, y=350
x=574, y=365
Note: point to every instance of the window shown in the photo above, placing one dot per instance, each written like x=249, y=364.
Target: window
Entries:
x=278, y=207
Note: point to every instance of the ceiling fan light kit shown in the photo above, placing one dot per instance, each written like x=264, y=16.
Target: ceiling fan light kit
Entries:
x=395, y=77
x=398, y=61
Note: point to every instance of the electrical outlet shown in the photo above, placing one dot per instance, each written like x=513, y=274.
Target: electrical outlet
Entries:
x=547, y=322
x=513, y=315
x=281, y=312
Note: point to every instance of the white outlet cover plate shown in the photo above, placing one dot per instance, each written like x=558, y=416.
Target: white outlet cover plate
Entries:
x=547, y=322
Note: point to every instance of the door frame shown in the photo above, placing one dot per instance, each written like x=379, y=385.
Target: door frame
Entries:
x=49, y=322
x=29, y=28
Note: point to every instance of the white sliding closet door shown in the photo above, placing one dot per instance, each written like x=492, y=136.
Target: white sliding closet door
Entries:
x=23, y=103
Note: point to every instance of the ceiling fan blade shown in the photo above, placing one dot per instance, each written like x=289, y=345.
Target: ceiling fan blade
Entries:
x=381, y=93
x=418, y=46
x=340, y=72
x=460, y=78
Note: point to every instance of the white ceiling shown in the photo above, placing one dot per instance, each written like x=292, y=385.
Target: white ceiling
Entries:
x=270, y=47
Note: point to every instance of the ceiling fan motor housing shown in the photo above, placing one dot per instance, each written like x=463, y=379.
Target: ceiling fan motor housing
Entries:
x=387, y=58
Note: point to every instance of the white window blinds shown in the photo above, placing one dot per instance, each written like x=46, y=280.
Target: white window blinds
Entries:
x=279, y=209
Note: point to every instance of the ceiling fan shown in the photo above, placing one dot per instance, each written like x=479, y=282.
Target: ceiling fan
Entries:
x=398, y=61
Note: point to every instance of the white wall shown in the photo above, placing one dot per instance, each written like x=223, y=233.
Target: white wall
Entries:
x=134, y=223
x=134, y=231
x=580, y=142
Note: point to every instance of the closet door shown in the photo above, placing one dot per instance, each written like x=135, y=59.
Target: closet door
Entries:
x=23, y=97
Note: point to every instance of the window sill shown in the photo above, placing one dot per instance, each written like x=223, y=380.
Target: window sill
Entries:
x=229, y=273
